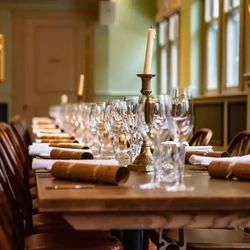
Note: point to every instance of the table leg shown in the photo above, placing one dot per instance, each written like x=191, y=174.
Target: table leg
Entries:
x=118, y=234
x=145, y=244
x=132, y=239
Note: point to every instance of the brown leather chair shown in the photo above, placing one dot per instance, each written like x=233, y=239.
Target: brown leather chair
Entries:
x=13, y=235
x=240, y=144
x=201, y=138
x=46, y=224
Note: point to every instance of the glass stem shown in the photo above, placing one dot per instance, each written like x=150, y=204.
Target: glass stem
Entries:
x=157, y=164
x=181, y=163
x=116, y=142
x=100, y=134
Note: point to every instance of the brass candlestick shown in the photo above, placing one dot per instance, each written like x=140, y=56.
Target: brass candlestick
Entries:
x=79, y=98
x=144, y=161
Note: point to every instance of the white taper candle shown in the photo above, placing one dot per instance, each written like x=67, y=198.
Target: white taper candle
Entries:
x=81, y=85
x=149, y=49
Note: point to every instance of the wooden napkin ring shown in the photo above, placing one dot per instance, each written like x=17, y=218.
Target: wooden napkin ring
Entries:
x=110, y=174
x=62, y=170
x=219, y=169
x=56, y=137
x=93, y=173
x=218, y=154
x=66, y=145
x=58, y=140
x=241, y=170
x=69, y=155
x=84, y=173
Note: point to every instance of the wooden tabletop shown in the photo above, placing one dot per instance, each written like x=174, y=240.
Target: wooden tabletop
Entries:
x=211, y=195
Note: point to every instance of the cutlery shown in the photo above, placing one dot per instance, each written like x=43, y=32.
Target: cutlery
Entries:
x=84, y=187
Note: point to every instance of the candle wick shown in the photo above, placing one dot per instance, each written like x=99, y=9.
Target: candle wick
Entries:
x=151, y=27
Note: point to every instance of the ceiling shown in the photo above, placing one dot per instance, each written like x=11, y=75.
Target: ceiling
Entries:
x=50, y=1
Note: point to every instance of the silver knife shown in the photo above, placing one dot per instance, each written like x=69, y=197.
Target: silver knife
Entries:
x=59, y=187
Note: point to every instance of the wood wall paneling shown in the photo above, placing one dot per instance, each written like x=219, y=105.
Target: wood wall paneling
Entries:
x=210, y=115
x=3, y=112
x=237, y=118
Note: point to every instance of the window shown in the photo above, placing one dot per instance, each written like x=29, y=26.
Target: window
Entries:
x=222, y=43
x=168, y=43
x=211, y=25
x=232, y=42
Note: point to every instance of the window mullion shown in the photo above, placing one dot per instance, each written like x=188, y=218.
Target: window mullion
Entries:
x=221, y=47
x=168, y=60
x=241, y=44
x=207, y=24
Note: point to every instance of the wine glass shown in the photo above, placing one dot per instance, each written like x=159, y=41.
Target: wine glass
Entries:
x=181, y=122
x=153, y=125
x=113, y=121
x=96, y=119
x=130, y=119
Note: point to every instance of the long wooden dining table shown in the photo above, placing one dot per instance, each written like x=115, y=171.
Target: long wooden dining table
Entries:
x=214, y=203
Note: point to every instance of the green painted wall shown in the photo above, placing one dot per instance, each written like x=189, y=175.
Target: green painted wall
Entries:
x=126, y=48
x=119, y=48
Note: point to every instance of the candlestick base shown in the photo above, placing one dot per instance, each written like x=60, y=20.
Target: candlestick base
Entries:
x=144, y=161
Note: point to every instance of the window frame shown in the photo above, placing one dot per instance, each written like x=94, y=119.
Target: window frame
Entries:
x=166, y=75
x=207, y=25
x=222, y=47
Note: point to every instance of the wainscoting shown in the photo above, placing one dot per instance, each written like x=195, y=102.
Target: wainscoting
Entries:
x=225, y=115
x=3, y=112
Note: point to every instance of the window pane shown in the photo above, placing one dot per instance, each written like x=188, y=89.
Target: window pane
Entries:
x=162, y=32
x=236, y=3
x=164, y=69
x=232, y=52
x=208, y=10
x=215, y=8
x=228, y=4
x=173, y=27
x=212, y=56
x=174, y=64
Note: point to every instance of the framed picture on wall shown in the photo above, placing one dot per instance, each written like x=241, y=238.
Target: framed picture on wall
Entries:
x=1, y=57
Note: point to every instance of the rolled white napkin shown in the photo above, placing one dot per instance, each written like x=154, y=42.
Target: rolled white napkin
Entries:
x=47, y=163
x=199, y=148
x=38, y=149
x=205, y=161
x=190, y=148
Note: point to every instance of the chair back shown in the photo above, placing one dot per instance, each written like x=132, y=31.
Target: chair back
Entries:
x=14, y=139
x=16, y=151
x=201, y=138
x=20, y=127
x=11, y=223
x=19, y=187
x=240, y=144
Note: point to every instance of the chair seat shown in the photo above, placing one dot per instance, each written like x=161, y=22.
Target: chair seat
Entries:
x=198, y=239
x=89, y=240
x=43, y=223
